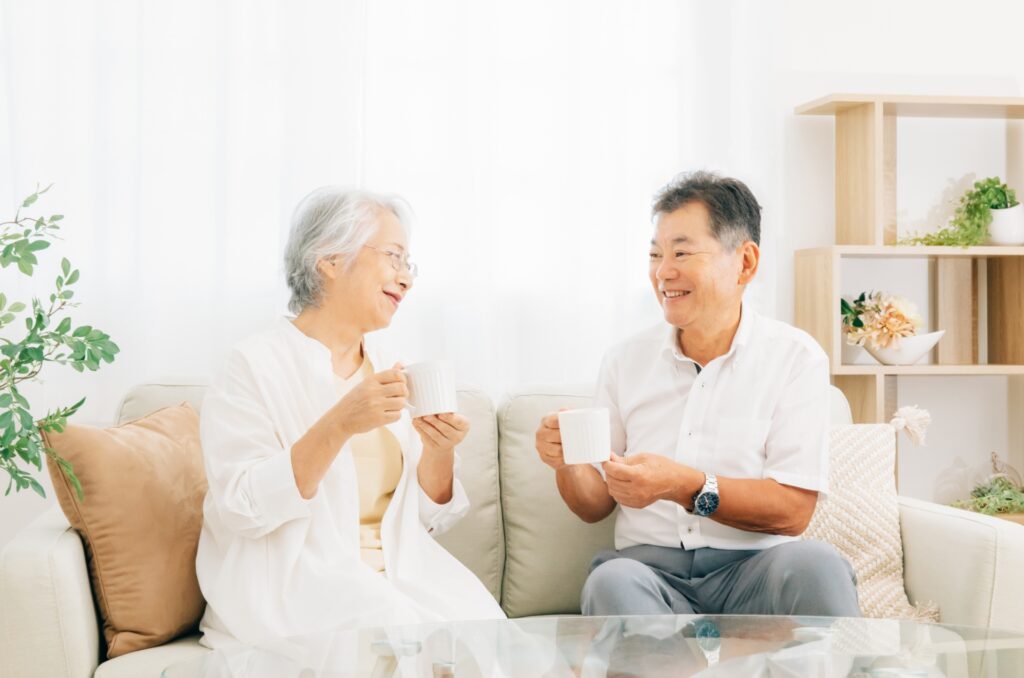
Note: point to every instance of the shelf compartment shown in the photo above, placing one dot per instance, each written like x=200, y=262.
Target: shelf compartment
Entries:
x=865, y=152
x=1006, y=310
x=954, y=301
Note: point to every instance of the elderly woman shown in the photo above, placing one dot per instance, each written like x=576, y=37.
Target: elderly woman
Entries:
x=324, y=497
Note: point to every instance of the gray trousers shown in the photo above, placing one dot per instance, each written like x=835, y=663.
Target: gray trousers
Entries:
x=794, y=578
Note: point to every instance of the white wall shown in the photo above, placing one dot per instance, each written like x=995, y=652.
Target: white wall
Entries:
x=548, y=121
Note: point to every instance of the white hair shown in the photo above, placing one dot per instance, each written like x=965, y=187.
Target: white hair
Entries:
x=332, y=221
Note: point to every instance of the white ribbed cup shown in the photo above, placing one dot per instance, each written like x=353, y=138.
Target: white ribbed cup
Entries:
x=586, y=435
x=431, y=388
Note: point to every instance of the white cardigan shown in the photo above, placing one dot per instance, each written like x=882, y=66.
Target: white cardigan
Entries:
x=274, y=565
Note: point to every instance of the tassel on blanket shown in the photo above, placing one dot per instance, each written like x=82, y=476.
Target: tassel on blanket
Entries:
x=913, y=421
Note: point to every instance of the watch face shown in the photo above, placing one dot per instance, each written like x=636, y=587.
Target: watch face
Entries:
x=708, y=635
x=705, y=628
x=706, y=504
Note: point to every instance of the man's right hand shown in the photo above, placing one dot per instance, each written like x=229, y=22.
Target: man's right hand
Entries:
x=581, y=486
x=376, y=401
x=549, y=442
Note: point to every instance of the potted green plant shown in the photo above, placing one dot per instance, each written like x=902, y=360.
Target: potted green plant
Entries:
x=998, y=496
x=1007, y=225
x=49, y=337
x=988, y=213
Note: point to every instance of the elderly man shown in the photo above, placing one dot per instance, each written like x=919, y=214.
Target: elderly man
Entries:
x=719, y=421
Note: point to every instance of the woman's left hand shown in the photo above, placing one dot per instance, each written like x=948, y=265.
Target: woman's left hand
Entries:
x=441, y=432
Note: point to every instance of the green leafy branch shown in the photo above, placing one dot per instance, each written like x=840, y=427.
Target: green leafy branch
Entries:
x=49, y=338
x=970, y=222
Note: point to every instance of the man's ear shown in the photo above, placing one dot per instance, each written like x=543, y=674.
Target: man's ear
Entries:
x=750, y=258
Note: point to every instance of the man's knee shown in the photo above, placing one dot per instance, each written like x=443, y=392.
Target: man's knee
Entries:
x=810, y=561
x=617, y=586
x=813, y=578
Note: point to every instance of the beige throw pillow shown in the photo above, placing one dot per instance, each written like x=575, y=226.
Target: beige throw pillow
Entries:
x=860, y=517
x=144, y=485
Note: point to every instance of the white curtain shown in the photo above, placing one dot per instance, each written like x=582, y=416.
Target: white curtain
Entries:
x=529, y=137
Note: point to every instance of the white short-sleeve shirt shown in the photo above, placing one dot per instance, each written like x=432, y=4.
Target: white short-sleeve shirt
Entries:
x=759, y=411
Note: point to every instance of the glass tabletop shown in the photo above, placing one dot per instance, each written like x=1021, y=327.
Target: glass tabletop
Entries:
x=681, y=645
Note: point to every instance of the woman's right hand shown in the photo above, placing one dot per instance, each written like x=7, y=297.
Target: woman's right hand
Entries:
x=376, y=401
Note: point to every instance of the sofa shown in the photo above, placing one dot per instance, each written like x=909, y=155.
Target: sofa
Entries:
x=528, y=549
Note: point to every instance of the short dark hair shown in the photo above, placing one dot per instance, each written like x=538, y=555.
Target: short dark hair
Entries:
x=735, y=214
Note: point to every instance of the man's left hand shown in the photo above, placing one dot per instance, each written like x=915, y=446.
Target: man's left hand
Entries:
x=641, y=479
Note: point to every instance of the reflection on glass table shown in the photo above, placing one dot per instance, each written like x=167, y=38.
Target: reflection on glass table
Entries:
x=682, y=645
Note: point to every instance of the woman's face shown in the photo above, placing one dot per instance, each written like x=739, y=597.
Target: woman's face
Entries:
x=369, y=291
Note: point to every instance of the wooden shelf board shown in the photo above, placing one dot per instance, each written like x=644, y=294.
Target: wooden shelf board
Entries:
x=916, y=106
x=905, y=251
x=929, y=370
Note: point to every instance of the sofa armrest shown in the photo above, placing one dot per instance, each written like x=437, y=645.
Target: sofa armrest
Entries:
x=48, y=624
x=967, y=563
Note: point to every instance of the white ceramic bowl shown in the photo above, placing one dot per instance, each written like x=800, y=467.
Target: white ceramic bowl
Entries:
x=910, y=351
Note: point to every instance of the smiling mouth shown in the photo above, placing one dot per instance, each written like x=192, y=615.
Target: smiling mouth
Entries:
x=674, y=294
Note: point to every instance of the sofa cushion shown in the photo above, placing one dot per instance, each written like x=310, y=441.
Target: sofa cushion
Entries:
x=860, y=517
x=146, y=398
x=140, y=520
x=186, y=654
x=548, y=548
x=478, y=540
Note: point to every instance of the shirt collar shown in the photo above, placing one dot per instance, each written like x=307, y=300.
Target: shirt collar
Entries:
x=309, y=343
x=318, y=353
x=670, y=345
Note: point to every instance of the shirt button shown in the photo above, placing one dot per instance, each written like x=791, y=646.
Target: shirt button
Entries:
x=689, y=434
x=702, y=384
x=689, y=530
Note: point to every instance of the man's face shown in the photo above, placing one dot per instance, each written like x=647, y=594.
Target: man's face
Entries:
x=695, y=279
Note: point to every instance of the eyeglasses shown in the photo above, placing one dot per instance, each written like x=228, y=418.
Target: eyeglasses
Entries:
x=399, y=261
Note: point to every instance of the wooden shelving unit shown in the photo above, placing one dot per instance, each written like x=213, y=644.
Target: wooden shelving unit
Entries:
x=960, y=279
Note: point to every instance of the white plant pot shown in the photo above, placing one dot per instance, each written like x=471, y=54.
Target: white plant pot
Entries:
x=911, y=349
x=1007, y=227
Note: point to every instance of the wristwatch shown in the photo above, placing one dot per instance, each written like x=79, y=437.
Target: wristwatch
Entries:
x=709, y=640
x=705, y=502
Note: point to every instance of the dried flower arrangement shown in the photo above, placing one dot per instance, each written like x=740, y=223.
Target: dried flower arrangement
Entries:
x=879, y=319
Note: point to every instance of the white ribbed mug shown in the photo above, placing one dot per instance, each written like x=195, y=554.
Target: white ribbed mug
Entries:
x=586, y=435
x=431, y=388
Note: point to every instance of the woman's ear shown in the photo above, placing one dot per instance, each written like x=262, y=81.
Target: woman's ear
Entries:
x=328, y=267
